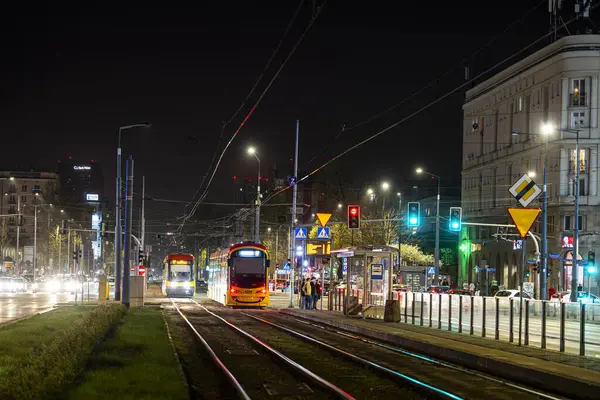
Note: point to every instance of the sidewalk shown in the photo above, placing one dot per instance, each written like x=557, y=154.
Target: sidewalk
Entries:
x=569, y=375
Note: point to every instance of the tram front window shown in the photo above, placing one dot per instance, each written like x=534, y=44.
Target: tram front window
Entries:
x=248, y=272
x=180, y=273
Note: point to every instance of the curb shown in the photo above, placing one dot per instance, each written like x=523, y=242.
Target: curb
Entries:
x=548, y=381
x=14, y=321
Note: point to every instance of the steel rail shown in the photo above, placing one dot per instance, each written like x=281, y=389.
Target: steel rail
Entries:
x=305, y=371
x=238, y=387
x=361, y=360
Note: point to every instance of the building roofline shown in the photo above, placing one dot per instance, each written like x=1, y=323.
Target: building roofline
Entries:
x=563, y=45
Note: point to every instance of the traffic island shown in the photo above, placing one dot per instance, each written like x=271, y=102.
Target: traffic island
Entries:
x=136, y=361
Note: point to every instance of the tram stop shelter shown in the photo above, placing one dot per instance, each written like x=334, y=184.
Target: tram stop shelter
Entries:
x=368, y=278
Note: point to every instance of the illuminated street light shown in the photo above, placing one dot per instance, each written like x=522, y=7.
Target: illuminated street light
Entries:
x=12, y=178
x=547, y=128
x=340, y=205
x=531, y=174
x=385, y=186
x=62, y=211
x=370, y=191
x=419, y=170
x=251, y=150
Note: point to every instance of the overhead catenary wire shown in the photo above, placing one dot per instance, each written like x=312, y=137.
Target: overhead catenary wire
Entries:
x=256, y=83
x=420, y=110
x=249, y=114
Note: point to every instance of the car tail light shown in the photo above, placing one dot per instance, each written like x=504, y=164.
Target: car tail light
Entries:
x=264, y=291
x=233, y=291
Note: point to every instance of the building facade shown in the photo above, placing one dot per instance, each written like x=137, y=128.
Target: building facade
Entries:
x=23, y=191
x=81, y=182
x=502, y=140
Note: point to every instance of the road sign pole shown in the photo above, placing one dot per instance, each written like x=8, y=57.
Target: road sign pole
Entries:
x=521, y=273
x=294, y=195
x=544, y=259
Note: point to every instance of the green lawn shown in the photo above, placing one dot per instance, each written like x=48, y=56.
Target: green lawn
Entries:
x=24, y=338
x=137, y=362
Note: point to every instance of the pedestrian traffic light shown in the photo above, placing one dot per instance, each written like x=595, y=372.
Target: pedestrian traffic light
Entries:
x=75, y=255
x=455, y=219
x=527, y=274
x=141, y=256
x=79, y=253
x=414, y=213
x=353, y=217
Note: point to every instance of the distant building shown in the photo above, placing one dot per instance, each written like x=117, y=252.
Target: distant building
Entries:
x=503, y=119
x=81, y=182
x=24, y=190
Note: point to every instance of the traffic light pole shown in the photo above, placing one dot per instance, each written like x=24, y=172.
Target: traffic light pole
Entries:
x=292, y=233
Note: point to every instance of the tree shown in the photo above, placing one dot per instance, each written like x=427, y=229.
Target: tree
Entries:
x=5, y=237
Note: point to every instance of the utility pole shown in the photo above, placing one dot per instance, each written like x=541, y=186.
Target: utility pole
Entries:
x=118, y=237
x=68, y=248
x=59, y=238
x=34, y=241
x=128, y=225
x=293, y=224
x=48, y=243
x=437, y=236
x=19, y=220
x=143, y=230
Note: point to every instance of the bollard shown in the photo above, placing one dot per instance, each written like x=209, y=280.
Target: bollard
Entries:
x=421, y=317
x=582, y=330
x=526, y=333
x=472, y=314
x=439, y=311
x=412, y=311
x=430, y=307
x=562, y=327
x=497, y=330
x=102, y=289
x=406, y=308
x=460, y=301
x=483, y=318
x=510, y=322
x=450, y=312
x=543, y=340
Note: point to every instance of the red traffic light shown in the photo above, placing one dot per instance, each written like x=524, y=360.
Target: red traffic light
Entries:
x=353, y=217
x=353, y=211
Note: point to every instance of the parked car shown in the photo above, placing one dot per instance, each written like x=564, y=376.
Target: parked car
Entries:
x=201, y=285
x=461, y=292
x=510, y=294
x=436, y=289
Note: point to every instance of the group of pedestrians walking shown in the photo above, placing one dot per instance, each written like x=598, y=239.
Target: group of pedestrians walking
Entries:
x=310, y=293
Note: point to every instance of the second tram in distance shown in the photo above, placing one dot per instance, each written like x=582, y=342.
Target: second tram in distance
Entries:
x=238, y=276
x=179, y=275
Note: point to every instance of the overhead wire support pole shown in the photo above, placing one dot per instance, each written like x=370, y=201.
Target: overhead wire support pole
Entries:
x=293, y=223
x=128, y=227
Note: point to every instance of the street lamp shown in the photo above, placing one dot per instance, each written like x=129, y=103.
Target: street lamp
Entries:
x=252, y=151
x=118, y=196
x=437, y=224
x=531, y=174
x=340, y=205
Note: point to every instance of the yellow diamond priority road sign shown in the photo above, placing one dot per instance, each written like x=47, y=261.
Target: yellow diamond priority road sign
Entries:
x=525, y=190
x=323, y=218
x=524, y=218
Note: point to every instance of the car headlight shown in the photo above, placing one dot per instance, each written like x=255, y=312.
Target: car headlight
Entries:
x=54, y=285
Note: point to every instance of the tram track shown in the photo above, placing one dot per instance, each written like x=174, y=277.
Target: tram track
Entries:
x=370, y=380
x=252, y=367
x=396, y=361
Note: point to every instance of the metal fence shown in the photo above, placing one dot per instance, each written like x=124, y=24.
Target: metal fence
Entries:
x=565, y=327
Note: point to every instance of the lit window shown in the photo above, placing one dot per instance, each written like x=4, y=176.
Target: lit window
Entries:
x=577, y=96
x=582, y=161
x=520, y=104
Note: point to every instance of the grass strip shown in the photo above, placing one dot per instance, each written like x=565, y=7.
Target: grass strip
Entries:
x=48, y=364
x=136, y=362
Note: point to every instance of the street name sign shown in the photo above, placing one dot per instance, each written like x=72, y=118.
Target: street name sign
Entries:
x=525, y=190
x=524, y=218
x=323, y=218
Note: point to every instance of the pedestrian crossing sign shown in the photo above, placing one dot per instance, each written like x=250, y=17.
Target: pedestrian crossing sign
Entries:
x=430, y=270
x=323, y=233
x=300, y=233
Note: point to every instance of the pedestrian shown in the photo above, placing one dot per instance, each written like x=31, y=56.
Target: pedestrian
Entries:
x=307, y=295
x=445, y=282
x=313, y=291
x=472, y=287
x=465, y=285
x=302, y=295
x=551, y=293
x=579, y=288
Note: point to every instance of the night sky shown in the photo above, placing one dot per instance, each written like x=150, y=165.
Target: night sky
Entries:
x=73, y=73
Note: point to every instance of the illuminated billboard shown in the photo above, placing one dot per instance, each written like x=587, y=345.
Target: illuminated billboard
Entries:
x=92, y=197
x=82, y=167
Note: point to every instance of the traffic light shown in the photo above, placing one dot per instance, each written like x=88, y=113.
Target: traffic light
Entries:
x=79, y=253
x=414, y=213
x=455, y=219
x=75, y=255
x=591, y=258
x=353, y=217
x=63, y=227
x=141, y=256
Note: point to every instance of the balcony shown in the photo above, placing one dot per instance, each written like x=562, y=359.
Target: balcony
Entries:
x=577, y=100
